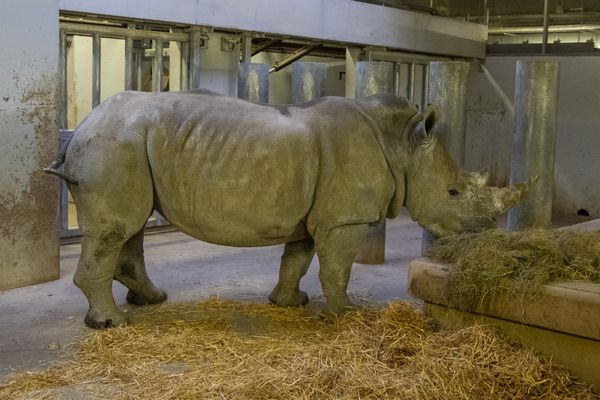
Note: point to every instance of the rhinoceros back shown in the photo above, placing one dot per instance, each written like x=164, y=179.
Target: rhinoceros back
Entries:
x=231, y=172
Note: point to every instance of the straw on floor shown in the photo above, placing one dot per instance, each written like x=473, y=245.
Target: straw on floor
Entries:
x=229, y=350
x=519, y=263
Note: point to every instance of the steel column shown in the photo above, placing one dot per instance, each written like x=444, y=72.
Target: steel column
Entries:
x=253, y=82
x=308, y=81
x=536, y=106
x=128, y=63
x=448, y=92
x=371, y=78
x=195, y=44
x=410, y=83
x=425, y=86
x=352, y=54
x=157, y=66
x=96, y=73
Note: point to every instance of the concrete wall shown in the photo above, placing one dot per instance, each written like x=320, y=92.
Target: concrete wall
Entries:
x=28, y=142
x=490, y=129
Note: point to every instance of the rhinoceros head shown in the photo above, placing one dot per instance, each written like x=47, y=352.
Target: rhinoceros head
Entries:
x=443, y=198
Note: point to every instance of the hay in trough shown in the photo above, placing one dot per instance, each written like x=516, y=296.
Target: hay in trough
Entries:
x=519, y=263
x=228, y=350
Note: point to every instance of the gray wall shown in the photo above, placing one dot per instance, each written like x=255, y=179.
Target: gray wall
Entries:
x=28, y=142
x=490, y=129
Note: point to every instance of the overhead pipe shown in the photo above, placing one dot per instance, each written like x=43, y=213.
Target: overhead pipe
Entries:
x=265, y=46
x=290, y=58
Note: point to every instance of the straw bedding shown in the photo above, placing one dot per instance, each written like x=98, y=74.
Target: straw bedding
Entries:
x=518, y=263
x=228, y=350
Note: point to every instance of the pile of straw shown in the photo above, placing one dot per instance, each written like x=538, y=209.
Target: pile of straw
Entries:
x=518, y=263
x=227, y=350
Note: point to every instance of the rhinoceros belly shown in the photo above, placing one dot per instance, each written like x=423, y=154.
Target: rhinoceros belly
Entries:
x=240, y=178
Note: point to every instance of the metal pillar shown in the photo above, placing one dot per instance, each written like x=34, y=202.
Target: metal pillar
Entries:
x=448, y=92
x=157, y=66
x=425, y=86
x=196, y=40
x=308, y=81
x=96, y=72
x=410, y=83
x=536, y=106
x=352, y=54
x=128, y=63
x=371, y=78
x=253, y=82
x=62, y=70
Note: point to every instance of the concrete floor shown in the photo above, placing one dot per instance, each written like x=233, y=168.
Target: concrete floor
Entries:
x=37, y=321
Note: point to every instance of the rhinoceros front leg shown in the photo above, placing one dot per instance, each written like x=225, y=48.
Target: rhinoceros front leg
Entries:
x=131, y=272
x=94, y=276
x=337, y=249
x=295, y=261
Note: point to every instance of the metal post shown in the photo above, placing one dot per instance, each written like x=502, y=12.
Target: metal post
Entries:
x=425, y=86
x=371, y=78
x=185, y=64
x=96, y=73
x=545, y=33
x=157, y=66
x=536, y=106
x=195, y=44
x=128, y=63
x=253, y=82
x=410, y=83
x=308, y=81
x=246, y=49
x=397, y=69
x=62, y=119
x=448, y=92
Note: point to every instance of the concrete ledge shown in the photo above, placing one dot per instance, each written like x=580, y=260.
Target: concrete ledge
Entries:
x=568, y=307
x=580, y=355
x=563, y=322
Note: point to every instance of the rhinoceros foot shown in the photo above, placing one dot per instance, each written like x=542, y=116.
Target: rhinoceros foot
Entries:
x=138, y=299
x=96, y=320
x=288, y=298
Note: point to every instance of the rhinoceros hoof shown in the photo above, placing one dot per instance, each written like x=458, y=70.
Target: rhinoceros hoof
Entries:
x=98, y=321
x=296, y=299
x=141, y=300
x=336, y=308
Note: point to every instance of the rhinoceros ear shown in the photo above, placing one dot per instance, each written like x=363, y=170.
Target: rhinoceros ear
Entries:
x=422, y=133
x=480, y=178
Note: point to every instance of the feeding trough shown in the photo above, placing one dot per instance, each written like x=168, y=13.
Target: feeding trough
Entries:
x=559, y=319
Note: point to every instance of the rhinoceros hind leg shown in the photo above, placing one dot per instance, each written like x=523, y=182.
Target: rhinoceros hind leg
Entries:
x=131, y=272
x=336, y=250
x=94, y=277
x=295, y=261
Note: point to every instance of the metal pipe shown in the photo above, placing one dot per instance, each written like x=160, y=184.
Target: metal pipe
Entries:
x=290, y=58
x=536, y=106
x=448, y=92
x=195, y=43
x=253, y=82
x=425, y=86
x=185, y=65
x=128, y=63
x=138, y=70
x=246, y=48
x=545, y=34
x=540, y=29
x=96, y=72
x=157, y=66
x=265, y=46
x=62, y=119
x=73, y=28
x=308, y=81
x=410, y=83
x=373, y=77
x=397, y=70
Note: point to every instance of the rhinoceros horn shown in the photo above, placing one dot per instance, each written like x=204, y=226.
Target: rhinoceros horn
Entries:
x=506, y=198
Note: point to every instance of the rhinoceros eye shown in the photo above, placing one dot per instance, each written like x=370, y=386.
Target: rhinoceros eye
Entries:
x=453, y=192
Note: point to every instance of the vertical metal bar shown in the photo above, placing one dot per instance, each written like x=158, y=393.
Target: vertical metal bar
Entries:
x=185, y=66
x=448, y=92
x=157, y=66
x=129, y=63
x=308, y=81
x=410, y=83
x=96, y=73
x=196, y=41
x=397, y=69
x=62, y=119
x=246, y=49
x=536, y=106
x=352, y=54
x=545, y=34
x=425, y=87
x=138, y=69
x=486, y=13
x=372, y=78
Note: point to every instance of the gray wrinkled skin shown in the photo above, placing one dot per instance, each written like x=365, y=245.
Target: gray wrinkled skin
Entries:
x=226, y=171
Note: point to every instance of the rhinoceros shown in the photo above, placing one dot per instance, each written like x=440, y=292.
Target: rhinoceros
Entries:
x=313, y=176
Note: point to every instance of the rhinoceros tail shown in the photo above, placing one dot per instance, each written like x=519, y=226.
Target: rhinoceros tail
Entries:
x=58, y=161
